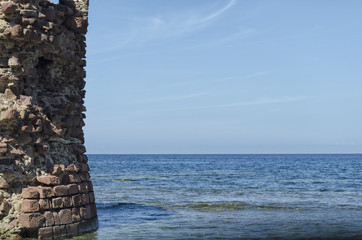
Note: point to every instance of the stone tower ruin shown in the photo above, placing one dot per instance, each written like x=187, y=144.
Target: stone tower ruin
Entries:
x=45, y=187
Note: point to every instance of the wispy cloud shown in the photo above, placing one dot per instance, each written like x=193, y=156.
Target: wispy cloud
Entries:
x=218, y=13
x=262, y=101
x=141, y=30
x=180, y=97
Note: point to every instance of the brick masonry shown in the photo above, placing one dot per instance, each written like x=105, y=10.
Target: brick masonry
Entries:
x=45, y=187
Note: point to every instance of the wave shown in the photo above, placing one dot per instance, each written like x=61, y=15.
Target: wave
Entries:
x=113, y=205
x=231, y=206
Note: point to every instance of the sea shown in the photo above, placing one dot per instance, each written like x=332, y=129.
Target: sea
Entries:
x=256, y=196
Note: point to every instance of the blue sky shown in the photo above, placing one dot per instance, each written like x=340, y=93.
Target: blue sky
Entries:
x=224, y=76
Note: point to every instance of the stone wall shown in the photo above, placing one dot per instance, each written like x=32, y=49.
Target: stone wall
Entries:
x=45, y=189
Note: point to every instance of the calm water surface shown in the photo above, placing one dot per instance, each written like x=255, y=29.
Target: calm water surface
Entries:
x=227, y=196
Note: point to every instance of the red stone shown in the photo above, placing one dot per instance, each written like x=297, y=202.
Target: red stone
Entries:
x=8, y=7
x=49, y=180
x=30, y=192
x=29, y=205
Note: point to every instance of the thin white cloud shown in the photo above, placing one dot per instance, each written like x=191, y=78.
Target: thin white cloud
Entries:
x=176, y=98
x=262, y=101
x=141, y=30
x=218, y=13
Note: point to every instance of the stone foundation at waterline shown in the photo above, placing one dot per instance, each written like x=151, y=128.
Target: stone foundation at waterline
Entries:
x=45, y=188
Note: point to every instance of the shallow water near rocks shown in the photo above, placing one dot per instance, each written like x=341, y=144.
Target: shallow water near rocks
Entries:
x=227, y=196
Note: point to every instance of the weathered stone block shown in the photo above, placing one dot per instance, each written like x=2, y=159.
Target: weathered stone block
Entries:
x=45, y=233
x=84, y=177
x=71, y=178
x=83, y=187
x=49, y=219
x=30, y=205
x=90, y=186
x=32, y=220
x=57, y=203
x=49, y=180
x=8, y=7
x=67, y=202
x=72, y=189
x=56, y=218
x=30, y=192
x=44, y=204
x=72, y=168
x=60, y=191
x=84, y=167
x=65, y=216
x=45, y=192
x=72, y=229
x=59, y=231
x=77, y=200
x=58, y=169
x=88, y=225
x=76, y=217
x=85, y=198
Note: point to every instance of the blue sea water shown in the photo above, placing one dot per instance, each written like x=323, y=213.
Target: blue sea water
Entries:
x=228, y=196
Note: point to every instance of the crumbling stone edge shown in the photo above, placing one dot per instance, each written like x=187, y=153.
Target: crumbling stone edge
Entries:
x=45, y=186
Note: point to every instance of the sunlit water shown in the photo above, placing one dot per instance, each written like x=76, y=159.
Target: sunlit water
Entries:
x=227, y=196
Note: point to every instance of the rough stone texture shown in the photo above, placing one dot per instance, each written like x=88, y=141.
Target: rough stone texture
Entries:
x=45, y=188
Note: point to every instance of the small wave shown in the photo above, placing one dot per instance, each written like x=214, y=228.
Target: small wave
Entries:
x=114, y=205
x=231, y=206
